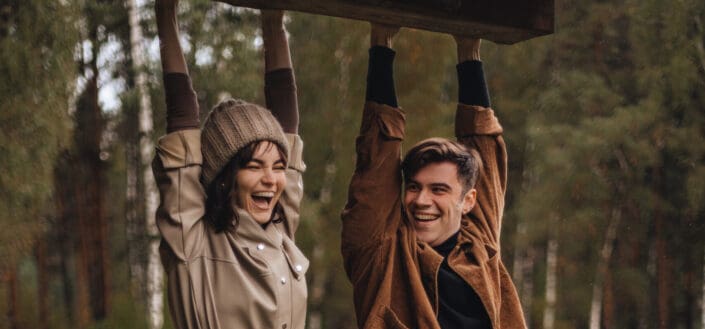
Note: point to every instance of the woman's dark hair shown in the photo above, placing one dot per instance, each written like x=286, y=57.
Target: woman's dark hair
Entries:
x=220, y=211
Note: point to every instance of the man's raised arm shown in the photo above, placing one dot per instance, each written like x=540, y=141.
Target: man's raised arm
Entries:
x=477, y=128
x=374, y=197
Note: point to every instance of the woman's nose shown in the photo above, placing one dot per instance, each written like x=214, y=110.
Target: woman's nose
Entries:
x=267, y=176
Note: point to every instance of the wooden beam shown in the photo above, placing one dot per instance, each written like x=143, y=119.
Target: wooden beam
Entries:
x=501, y=21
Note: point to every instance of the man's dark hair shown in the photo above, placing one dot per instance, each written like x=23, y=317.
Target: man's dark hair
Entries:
x=436, y=150
x=220, y=211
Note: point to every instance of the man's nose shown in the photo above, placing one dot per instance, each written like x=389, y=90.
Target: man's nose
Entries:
x=423, y=198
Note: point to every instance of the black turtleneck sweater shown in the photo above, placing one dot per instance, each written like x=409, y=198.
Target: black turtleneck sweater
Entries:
x=458, y=304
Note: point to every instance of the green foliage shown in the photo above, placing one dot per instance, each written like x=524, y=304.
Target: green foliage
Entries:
x=36, y=49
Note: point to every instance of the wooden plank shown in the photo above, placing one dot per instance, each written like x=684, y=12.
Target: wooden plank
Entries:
x=501, y=21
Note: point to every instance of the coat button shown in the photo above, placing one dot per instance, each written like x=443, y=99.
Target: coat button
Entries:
x=298, y=268
x=283, y=280
x=260, y=246
x=284, y=326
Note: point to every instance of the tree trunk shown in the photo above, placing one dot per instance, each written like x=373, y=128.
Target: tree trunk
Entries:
x=11, y=281
x=608, y=302
x=91, y=210
x=42, y=284
x=602, y=267
x=549, y=312
x=522, y=272
x=664, y=287
x=526, y=271
x=155, y=275
x=62, y=193
x=135, y=228
x=702, y=298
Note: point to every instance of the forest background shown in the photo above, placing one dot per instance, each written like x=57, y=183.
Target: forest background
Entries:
x=604, y=120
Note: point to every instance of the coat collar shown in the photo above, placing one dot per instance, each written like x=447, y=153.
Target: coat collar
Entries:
x=252, y=233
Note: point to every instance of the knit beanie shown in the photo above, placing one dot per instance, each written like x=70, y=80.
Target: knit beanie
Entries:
x=232, y=125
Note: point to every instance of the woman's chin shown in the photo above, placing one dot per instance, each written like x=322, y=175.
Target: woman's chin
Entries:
x=261, y=217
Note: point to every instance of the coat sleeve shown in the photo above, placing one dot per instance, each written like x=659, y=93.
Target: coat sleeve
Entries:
x=294, y=190
x=478, y=128
x=177, y=169
x=373, y=209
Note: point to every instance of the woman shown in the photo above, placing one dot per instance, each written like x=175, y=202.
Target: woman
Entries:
x=230, y=195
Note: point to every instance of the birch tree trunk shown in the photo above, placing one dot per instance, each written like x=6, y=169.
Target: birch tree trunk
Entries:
x=549, y=312
x=135, y=230
x=602, y=266
x=155, y=276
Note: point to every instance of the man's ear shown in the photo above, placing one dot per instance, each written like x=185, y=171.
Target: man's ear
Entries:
x=469, y=200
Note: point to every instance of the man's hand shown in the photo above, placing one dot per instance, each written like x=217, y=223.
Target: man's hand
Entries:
x=382, y=35
x=468, y=48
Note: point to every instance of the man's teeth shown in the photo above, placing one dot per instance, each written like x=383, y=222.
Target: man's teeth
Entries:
x=425, y=217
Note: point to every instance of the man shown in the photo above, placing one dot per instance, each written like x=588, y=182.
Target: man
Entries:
x=428, y=258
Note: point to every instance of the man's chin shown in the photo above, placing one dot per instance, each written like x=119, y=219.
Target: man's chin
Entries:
x=424, y=236
x=424, y=225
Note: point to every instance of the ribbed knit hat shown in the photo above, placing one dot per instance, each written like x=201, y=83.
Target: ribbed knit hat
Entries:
x=232, y=125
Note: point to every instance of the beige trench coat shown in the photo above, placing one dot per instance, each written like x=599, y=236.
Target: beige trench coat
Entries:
x=254, y=278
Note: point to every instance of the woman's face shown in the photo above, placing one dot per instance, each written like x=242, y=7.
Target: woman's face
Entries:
x=259, y=184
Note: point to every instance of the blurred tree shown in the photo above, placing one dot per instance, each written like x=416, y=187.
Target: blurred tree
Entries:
x=82, y=168
x=144, y=233
x=36, y=43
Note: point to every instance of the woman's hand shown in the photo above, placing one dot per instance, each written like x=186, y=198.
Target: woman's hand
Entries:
x=168, y=30
x=272, y=19
x=276, y=45
x=382, y=35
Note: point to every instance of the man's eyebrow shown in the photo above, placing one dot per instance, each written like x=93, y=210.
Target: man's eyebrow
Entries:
x=444, y=185
x=432, y=185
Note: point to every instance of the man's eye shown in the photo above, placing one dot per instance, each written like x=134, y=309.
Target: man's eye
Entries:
x=439, y=190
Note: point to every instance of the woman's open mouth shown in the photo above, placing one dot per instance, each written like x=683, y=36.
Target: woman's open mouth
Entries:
x=262, y=200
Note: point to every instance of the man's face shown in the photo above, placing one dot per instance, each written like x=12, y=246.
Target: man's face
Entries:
x=435, y=203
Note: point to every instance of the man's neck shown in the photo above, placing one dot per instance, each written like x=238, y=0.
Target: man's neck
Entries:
x=446, y=246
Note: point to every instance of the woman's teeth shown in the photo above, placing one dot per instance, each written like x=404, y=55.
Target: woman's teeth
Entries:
x=262, y=199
